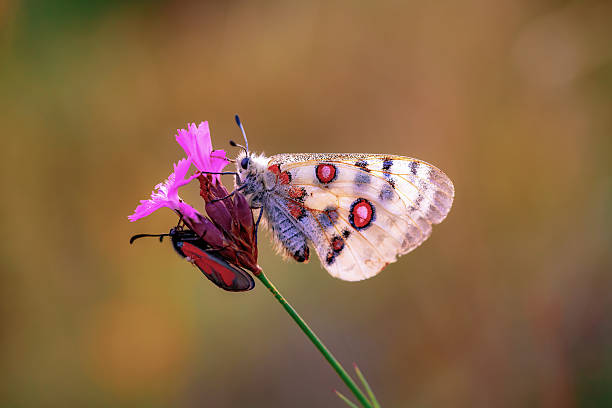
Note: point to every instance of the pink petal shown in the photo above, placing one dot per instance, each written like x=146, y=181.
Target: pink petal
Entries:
x=196, y=143
x=218, y=161
x=166, y=195
x=180, y=170
x=188, y=211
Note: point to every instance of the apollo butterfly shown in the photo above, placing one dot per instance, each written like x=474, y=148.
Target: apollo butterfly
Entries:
x=359, y=212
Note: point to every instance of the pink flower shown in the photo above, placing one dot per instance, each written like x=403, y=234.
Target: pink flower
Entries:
x=228, y=227
x=196, y=143
x=166, y=195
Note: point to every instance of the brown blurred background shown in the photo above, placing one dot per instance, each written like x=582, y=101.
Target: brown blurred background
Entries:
x=508, y=304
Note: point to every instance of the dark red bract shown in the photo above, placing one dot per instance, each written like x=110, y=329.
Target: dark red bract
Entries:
x=229, y=228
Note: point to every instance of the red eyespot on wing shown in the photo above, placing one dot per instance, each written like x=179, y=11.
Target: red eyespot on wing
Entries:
x=362, y=213
x=326, y=173
x=218, y=270
x=337, y=244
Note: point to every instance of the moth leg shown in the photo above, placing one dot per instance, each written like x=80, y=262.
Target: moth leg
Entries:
x=194, y=238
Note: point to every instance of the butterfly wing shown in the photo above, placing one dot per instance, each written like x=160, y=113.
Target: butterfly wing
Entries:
x=218, y=270
x=362, y=211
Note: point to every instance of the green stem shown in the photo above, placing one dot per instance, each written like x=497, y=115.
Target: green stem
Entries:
x=317, y=342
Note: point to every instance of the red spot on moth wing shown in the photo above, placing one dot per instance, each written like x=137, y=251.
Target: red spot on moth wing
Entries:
x=217, y=270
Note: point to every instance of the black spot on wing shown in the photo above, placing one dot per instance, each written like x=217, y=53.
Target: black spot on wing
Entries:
x=330, y=258
x=328, y=217
x=362, y=178
x=414, y=166
x=335, y=248
x=387, y=163
x=386, y=193
x=363, y=165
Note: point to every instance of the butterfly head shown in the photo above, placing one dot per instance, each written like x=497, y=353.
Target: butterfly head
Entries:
x=251, y=169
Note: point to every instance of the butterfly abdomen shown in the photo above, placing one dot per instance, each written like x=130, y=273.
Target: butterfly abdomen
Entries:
x=288, y=235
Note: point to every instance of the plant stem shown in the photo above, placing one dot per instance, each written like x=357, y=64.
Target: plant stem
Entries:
x=316, y=341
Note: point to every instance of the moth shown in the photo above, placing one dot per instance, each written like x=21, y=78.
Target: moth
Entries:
x=193, y=248
x=358, y=211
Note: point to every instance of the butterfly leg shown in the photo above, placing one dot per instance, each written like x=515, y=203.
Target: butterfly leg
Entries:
x=229, y=195
x=257, y=223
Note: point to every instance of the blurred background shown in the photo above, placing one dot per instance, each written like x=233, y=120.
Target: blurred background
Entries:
x=508, y=304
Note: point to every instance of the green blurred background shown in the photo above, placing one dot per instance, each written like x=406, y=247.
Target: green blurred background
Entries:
x=508, y=304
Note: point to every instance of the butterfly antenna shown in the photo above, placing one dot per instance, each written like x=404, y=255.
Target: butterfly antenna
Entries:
x=234, y=144
x=246, y=142
x=224, y=158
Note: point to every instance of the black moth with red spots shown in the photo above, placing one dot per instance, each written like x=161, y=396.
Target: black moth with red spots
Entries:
x=361, y=214
x=191, y=246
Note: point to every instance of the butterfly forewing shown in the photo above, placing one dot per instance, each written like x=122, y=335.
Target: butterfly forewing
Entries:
x=361, y=211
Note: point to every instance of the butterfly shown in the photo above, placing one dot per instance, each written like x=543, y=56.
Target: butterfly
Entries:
x=358, y=211
x=193, y=248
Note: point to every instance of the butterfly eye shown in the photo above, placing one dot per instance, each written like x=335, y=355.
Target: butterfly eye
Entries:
x=244, y=163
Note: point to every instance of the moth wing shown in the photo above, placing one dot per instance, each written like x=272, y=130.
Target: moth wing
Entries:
x=374, y=208
x=217, y=270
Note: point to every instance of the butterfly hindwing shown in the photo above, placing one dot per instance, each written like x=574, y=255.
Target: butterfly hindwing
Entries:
x=362, y=211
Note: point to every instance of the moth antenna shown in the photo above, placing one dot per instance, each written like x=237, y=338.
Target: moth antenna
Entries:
x=138, y=236
x=246, y=142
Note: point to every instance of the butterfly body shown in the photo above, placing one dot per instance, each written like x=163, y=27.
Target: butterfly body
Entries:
x=358, y=211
